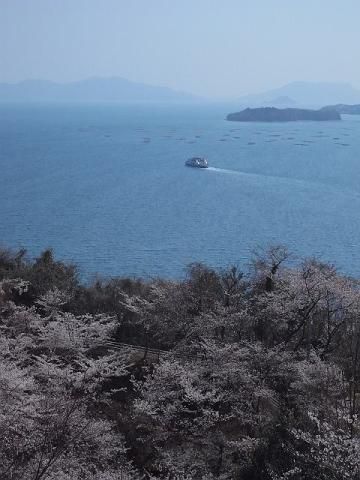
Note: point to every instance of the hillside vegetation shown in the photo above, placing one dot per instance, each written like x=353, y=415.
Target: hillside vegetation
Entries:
x=222, y=375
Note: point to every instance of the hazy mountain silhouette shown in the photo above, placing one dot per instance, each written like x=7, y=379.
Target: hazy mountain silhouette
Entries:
x=114, y=89
x=315, y=94
x=282, y=101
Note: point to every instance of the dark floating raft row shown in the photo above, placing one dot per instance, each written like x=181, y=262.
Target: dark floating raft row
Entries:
x=272, y=137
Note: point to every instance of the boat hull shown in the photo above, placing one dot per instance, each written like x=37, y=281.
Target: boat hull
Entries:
x=196, y=166
x=196, y=162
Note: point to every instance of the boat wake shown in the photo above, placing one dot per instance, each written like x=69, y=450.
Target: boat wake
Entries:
x=279, y=180
x=258, y=176
x=224, y=170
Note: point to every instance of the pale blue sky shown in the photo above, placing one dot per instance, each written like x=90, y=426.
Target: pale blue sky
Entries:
x=208, y=47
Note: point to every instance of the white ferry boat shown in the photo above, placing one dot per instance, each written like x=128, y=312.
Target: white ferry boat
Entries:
x=197, y=162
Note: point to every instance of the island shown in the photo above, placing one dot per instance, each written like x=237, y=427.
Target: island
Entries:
x=272, y=114
x=345, y=109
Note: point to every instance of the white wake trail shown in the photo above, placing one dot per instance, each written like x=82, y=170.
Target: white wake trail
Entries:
x=307, y=184
x=224, y=170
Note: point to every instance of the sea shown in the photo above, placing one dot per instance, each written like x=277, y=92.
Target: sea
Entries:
x=105, y=186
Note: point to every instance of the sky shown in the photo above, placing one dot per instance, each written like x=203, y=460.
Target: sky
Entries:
x=213, y=48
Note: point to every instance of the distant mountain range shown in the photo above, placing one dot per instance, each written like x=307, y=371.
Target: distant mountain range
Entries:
x=113, y=89
x=305, y=94
x=117, y=89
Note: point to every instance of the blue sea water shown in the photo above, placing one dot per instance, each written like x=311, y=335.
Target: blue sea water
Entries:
x=106, y=187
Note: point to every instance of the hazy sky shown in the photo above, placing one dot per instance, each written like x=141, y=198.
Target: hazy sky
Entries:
x=208, y=47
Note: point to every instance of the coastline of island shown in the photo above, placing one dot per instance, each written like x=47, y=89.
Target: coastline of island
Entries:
x=272, y=114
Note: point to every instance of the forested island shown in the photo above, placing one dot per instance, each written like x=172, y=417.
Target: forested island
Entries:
x=222, y=375
x=345, y=109
x=272, y=114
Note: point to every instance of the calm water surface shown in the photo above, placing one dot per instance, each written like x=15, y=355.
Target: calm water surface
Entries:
x=107, y=188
